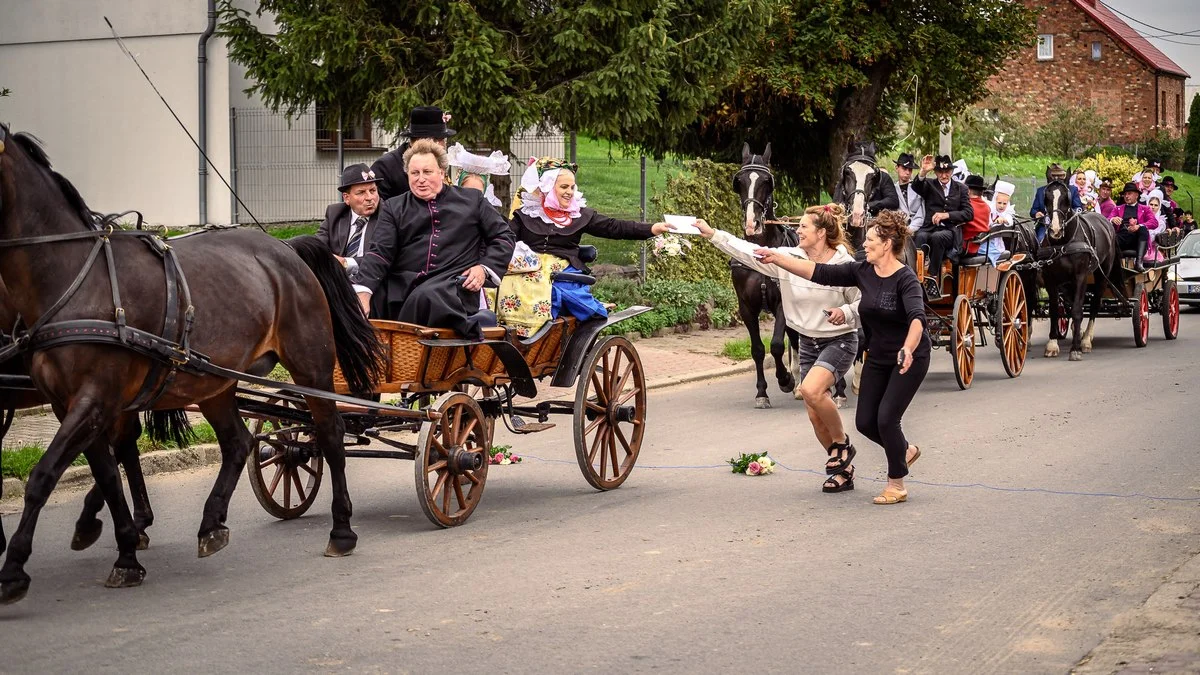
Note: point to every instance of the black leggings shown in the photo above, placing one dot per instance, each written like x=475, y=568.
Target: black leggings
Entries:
x=883, y=396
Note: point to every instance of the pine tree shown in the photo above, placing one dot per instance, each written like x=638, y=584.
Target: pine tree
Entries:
x=1191, y=148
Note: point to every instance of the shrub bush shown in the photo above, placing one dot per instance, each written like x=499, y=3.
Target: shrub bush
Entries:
x=1117, y=167
x=1161, y=146
x=674, y=303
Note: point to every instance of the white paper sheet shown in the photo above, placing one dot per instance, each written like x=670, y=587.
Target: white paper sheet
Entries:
x=682, y=224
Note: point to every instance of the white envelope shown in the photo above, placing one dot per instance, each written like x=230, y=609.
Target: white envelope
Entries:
x=682, y=224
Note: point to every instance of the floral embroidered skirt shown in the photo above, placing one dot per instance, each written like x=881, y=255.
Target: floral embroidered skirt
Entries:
x=527, y=301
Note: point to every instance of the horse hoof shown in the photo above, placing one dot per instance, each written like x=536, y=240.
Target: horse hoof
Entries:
x=762, y=402
x=143, y=541
x=86, y=535
x=788, y=384
x=125, y=577
x=339, y=549
x=796, y=394
x=1051, y=353
x=839, y=401
x=1076, y=355
x=13, y=591
x=212, y=542
x=1087, y=349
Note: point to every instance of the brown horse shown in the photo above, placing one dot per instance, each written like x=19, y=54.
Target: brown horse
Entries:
x=255, y=303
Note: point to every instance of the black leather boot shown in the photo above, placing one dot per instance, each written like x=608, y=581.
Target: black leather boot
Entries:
x=1141, y=254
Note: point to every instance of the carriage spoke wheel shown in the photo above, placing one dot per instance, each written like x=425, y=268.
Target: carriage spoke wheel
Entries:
x=284, y=467
x=610, y=412
x=1064, y=317
x=1141, y=315
x=963, y=342
x=1170, y=310
x=451, y=463
x=1014, y=324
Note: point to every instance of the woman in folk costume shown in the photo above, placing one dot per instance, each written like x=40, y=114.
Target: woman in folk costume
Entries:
x=549, y=224
x=476, y=171
x=1087, y=192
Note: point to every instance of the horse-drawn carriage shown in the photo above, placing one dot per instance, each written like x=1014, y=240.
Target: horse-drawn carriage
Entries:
x=977, y=296
x=450, y=392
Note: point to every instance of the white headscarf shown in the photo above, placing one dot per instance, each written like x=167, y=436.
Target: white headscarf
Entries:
x=535, y=186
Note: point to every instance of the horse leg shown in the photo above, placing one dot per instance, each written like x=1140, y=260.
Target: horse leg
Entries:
x=125, y=449
x=1093, y=311
x=1052, y=343
x=1077, y=320
x=236, y=441
x=782, y=375
x=758, y=353
x=88, y=527
x=329, y=435
x=127, y=571
x=86, y=422
x=793, y=352
x=6, y=418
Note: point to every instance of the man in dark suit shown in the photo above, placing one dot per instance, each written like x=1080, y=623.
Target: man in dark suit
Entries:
x=1037, y=210
x=947, y=208
x=350, y=224
x=424, y=121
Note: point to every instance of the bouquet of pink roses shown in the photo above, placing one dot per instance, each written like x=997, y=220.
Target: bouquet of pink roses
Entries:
x=501, y=454
x=752, y=464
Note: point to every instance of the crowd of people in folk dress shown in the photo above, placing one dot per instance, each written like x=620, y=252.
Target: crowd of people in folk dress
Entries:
x=421, y=235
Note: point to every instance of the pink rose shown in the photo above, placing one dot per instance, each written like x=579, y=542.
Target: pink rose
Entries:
x=754, y=469
x=499, y=457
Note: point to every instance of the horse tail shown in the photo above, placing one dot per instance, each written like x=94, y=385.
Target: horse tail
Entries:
x=167, y=427
x=359, y=353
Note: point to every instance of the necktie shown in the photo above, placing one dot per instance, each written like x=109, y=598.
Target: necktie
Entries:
x=359, y=228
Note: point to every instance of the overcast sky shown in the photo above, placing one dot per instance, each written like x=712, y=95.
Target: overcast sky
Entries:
x=1172, y=16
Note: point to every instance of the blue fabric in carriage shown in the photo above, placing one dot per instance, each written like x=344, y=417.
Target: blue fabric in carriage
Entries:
x=575, y=298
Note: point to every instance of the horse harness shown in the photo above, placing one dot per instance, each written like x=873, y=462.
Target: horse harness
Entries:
x=169, y=353
x=1051, y=253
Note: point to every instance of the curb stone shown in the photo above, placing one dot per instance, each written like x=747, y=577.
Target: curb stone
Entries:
x=163, y=461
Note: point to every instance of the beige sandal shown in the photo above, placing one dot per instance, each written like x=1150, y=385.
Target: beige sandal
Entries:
x=891, y=496
x=916, y=456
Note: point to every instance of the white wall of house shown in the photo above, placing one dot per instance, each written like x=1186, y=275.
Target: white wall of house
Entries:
x=101, y=123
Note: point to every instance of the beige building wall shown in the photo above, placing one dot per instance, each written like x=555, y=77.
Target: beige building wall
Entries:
x=102, y=125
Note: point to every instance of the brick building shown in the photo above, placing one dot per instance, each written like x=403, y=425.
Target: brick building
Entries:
x=1086, y=54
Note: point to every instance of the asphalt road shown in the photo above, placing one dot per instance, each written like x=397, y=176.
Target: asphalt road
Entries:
x=1042, y=509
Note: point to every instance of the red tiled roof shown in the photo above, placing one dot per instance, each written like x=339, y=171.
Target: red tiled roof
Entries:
x=1125, y=34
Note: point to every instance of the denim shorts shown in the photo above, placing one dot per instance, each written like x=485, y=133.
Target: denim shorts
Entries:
x=835, y=354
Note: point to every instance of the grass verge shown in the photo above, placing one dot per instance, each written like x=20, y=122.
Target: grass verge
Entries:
x=19, y=462
x=738, y=350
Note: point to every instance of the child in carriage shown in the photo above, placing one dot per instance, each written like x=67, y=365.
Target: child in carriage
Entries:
x=549, y=224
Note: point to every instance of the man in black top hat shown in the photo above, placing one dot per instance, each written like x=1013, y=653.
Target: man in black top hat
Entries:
x=947, y=208
x=910, y=202
x=349, y=224
x=425, y=121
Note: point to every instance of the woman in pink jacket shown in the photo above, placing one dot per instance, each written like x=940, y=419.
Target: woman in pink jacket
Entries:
x=1133, y=222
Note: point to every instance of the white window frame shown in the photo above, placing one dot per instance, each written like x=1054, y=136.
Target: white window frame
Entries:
x=1096, y=50
x=1045, y=47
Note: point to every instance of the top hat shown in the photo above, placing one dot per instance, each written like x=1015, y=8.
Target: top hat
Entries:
x=356, y=174
x=425, y=121
x=1131, y=187
x=1167, y=181
x=906, y=161
x=942, y=163
x=974, y=182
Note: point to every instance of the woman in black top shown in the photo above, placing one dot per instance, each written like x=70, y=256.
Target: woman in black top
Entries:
x=893, y=310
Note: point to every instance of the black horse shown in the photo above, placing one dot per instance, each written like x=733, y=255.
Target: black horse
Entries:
x=256, y=301
x=865, y=190
x=1076, y=245
x=754, y=184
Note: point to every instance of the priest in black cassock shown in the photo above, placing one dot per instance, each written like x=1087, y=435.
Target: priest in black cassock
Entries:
x=434, y=247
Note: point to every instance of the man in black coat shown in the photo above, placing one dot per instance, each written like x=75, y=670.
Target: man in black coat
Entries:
x=434, y=247
x=947, y=208
x=349, y=224
x=425, y=121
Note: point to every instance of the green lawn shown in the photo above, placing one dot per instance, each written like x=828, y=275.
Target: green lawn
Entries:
x=611, y=181
x=19, y=462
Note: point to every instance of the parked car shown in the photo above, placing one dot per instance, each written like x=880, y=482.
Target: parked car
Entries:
x=1187, y=272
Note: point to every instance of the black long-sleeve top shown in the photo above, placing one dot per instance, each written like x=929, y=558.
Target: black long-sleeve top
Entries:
x=888, y=305
x=563, y=242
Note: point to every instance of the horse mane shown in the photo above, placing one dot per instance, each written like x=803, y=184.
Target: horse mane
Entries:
x=32, y=145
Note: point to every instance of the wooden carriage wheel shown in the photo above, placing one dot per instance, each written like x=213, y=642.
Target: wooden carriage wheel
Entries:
x=285, y=468
x=451, y=460
x=1170, y=310
x=1141, y=315
x=1064, y=317
x=962, y=342
x=1013, y=331
x=610, y=412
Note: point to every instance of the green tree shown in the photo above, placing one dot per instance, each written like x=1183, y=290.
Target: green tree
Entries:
x=831, y=71
x=1073, y=129
x=499, y=66
x=1191, y=148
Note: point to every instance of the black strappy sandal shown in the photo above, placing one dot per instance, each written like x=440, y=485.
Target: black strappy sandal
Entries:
x=831, y=484
x=841, y=454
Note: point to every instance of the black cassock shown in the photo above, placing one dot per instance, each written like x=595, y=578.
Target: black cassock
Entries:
x=419, y=247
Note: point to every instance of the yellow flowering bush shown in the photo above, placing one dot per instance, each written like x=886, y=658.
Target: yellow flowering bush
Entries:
x=1117, y=167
